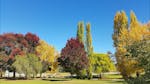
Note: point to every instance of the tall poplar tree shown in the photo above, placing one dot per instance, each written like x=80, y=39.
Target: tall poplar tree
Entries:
x=120, y=25
x=89, y=49
x=120, y=22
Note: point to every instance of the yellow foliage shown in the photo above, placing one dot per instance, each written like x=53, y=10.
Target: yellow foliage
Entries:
x=126, y=65
x=124, y=37
x=47, y=53
x=136, y=33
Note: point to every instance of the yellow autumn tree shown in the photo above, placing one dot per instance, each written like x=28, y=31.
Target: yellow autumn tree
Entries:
x=126, y=64
x=123, y=37
x=137, y=33
x=119, y=37
x=48, y=54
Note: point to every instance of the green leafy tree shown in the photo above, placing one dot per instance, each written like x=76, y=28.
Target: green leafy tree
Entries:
x=89, y=49
x=102, y=63
x=141, y=53
x=80, y=36
x=22, y=65
x=29, y=64
x=80, y=32
x=34, y=63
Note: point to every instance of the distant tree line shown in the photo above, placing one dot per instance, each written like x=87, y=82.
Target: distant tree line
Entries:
x=28, y=54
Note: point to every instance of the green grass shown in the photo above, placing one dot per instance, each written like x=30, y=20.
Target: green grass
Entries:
x=108, y=79
x=112, y=76
x=68, y=81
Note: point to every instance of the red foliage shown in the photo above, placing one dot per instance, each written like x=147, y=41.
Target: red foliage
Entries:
x=9, y=37
x=19, y=35
x=24, y=43
x=32, y=39
x=73, y=57
x=1, y=39
x=16, y=44
x=15, y=52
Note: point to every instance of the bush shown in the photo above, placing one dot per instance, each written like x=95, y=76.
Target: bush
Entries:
x=139, y=80
x=82, y=74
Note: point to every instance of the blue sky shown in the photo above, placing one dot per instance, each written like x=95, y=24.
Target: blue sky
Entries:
x=55, y=21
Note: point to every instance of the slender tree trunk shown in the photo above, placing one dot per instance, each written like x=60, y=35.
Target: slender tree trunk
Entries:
x=33, y=75
x=100, y=76
x=20, y=75
x=14, y=73
x=71, y=76
x=1, y=73
x=137, y=74
x=26, y=76
x=40, y=75
x=126, y=77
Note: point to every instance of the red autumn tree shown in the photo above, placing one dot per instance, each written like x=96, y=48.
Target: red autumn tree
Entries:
x=15, y=44
x=73, y=57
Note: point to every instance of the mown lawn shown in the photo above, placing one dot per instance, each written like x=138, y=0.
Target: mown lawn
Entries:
x=74, y=81
x=113, y=76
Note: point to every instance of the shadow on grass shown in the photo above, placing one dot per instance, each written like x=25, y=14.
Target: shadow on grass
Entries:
x=116, y=81
x=17, y=78
x=56, y=79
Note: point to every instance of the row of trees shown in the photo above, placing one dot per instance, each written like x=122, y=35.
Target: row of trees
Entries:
x=77, y=57
x=30, y=55
x=132, y=41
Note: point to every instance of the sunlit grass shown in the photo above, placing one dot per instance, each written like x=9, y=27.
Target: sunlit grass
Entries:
x=61, y=82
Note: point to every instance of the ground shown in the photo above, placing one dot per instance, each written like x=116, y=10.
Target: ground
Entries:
x=107, y=79
x=74, y=81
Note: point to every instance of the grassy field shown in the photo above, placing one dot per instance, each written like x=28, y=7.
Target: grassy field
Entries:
x=112, y=76
x=108, y=79
x=74, y=81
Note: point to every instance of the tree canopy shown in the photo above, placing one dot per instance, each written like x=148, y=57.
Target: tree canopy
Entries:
x=73, y=57
x=29, y=64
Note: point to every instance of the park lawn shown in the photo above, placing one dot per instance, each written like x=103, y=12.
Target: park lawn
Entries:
x=112, y=76
x=74, y=81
